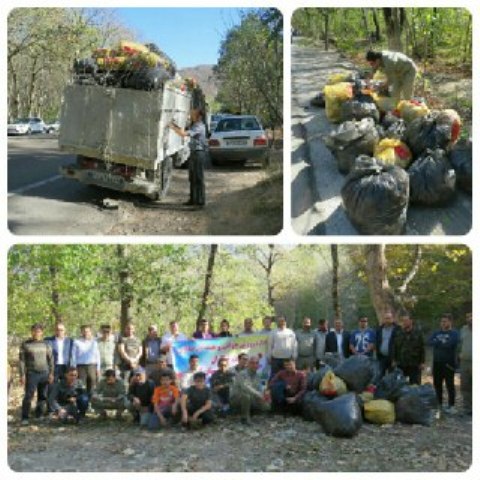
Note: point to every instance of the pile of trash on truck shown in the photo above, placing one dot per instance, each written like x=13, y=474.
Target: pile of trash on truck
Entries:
x=393, y=155
x=342, y=395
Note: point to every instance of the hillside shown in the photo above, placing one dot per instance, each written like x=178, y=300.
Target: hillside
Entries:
x=205, y=77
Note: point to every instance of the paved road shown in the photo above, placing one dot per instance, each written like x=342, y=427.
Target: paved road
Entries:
x=316, y=183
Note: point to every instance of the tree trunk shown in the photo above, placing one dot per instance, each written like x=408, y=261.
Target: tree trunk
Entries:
x=55, y=294
x=335, y=296
x=395, y=21
x=468, y=43
x=126, y=295
x=327, y=33
x=378, y=34
x=365, y=25
x=13, y=92
x=208, y=281
x=377, y=279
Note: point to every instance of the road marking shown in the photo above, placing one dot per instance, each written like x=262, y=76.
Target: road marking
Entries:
x=24, y=189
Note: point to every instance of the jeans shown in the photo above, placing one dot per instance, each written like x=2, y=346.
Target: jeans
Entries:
x=196, y=177
x=279, y=399
x=441, y=372
x=77, y=409
x=35, y=382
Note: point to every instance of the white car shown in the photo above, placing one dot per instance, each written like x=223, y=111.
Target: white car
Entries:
x=53, y=127
x=26, y=126
x=238, y=138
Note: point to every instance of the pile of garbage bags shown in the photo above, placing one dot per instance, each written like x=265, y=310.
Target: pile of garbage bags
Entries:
x=393, y=155
x=367, y=397
x=127, y=65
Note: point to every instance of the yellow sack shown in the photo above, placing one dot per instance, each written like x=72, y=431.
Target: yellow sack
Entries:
x=335, y=96
x=384, y=104
x=332, y=386
x=338, y=77
x=111, y=63
x=393, y=152
x=411, y=109
x=366, y=396
x=132, y=47
x=379, y=411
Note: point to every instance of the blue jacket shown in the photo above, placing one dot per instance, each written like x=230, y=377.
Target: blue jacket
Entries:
x=444, y=343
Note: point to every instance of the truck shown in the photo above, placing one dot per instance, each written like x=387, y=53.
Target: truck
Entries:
x=121, y=138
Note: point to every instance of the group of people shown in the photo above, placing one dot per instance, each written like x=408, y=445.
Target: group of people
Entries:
x=123, y=372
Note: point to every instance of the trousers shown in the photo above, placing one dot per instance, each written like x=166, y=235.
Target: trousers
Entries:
x=196, y=177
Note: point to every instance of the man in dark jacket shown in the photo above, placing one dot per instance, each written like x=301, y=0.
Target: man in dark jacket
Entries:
x=445, y=342
x=385, y=336
x=409, y=350
x=68, y=398
x=62, y=350
x=36, y=371
x=338, y=340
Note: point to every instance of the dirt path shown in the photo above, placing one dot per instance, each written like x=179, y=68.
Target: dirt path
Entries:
x=274, y=443
x=316, y=183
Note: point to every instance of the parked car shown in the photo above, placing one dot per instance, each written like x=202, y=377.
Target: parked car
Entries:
x=53, y=127
x=26, y=126
x=238, y=138
x=214, y=119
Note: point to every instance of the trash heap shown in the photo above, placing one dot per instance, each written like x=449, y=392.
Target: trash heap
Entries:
x=340, y=399
x=129, y=65
x=393, y=155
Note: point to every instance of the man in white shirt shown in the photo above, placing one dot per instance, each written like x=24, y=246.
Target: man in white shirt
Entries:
x=167, y=340
x=62, y=350
x=282, y=345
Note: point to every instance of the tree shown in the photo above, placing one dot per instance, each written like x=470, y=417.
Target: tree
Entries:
x=395, y=21
x=335, y=296
x=208, y=281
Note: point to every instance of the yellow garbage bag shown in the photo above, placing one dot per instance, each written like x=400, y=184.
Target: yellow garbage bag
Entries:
x=132, y=48
x=379, y=412
x=338, y=77
x=411, y=109
x=332, y=386
x=111, y=63
x=335, y=96
x=366, y=396
x=384, y=103
x=393, y=152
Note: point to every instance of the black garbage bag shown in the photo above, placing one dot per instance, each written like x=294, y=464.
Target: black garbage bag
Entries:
x=340, y=417
x=333, y=360
x=391, y=386
x=396, y=130
x=428, y=132
x=310, y=403
x=318, y=100
x=375, y=197
x=432, y=180
x=171, y=67
x=417, y=405
x=360, y=106
x=314, y=379
x=461, y=160
x=351, y=139
x=357, y=372
x=146, y=78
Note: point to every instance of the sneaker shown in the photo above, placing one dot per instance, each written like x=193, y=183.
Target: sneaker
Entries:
x=24, y=422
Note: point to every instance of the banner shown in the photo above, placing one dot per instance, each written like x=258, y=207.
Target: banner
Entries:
x=209, y=352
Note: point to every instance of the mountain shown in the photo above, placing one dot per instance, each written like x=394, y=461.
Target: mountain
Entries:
x=205, y=77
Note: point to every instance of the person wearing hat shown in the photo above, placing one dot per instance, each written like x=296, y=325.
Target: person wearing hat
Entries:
x=110, y=394
x=151, y=350
x=37, y=368
x=140, y=393
x=399, y=69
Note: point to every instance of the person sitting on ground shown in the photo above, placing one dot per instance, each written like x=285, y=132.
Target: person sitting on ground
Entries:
x=68, y=398
x=165, y=401
x=220, y=382
x=247, y=394
x=287, y=388
x=110, y=394
x=186, y=379
x=196, y=403
x=140, y=393
x=242, y=363
x=399, y=69
x=161, y=367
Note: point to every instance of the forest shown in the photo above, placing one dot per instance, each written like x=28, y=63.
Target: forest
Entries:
x=44, y=42
x=98, y=284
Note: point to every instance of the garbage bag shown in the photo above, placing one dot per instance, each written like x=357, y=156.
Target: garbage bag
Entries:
x=418, y=405
x=332, y=386
x=361, y=106
x=318, y=100
x=335, y=78
x=384, y=102
x=314, y=379
x=146, y=78
x=340, y=417
x=461, y=160
x=379, y=412
x=375, y=197
x=411, y=109
x=392, y=151
x=393, y=127
x=432, y=180
x=310, y=402
x=332, y=359
x=357, y=372
x=351, y=139
x=364, y=398
x=335, y=95
x=435, y=130
x=390, y=387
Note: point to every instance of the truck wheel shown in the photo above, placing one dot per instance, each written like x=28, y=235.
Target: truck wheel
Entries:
x=166, y=175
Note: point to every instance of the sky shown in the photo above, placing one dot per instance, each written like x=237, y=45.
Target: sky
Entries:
x=189, y=36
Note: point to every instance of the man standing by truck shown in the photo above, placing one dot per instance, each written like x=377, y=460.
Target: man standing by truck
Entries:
x=198, y=145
